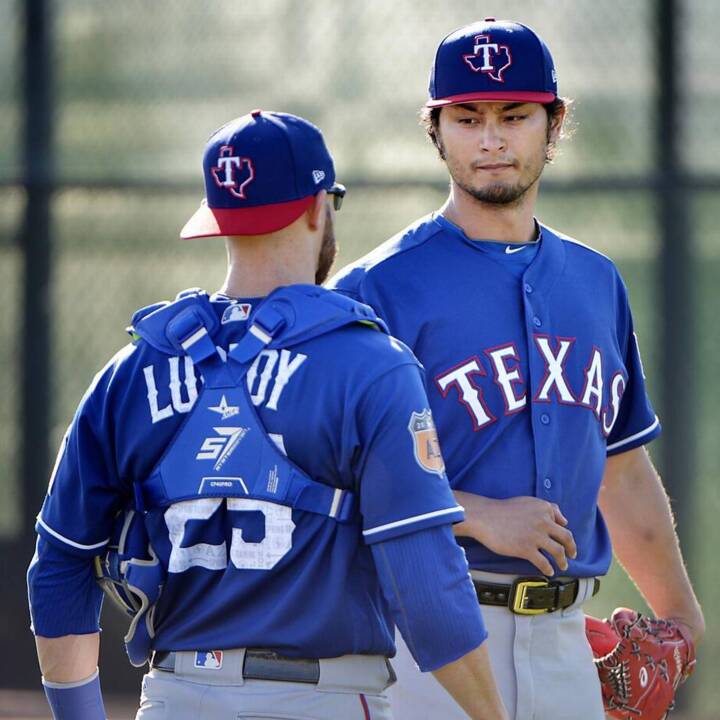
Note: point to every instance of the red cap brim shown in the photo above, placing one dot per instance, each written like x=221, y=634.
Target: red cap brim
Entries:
x=217, y=222
x=508, y=96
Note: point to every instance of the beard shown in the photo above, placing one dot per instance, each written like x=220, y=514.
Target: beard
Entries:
x=328, y=250
x=499, y=193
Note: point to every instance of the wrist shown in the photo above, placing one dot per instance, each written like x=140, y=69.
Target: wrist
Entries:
x=693, y=626
x=81, y=700
x=475, y=507
x=691, y=618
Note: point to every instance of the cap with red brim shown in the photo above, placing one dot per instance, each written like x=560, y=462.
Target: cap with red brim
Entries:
x=492, y=61
x=260, y=220
x=261, y=171
x=510, y=96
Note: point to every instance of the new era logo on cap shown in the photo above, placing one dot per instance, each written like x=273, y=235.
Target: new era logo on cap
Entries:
x=492, y=61
x=262, y=171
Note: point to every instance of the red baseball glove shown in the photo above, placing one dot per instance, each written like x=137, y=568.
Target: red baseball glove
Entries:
x=640, y=661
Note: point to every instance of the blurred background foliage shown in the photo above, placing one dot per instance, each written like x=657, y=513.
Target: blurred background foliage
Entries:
x=139, y=86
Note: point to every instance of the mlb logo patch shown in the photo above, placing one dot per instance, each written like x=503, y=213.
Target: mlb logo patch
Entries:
x=236, y=312
x=211, y=660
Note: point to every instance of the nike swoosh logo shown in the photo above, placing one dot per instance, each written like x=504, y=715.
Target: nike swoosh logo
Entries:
x=510, y=250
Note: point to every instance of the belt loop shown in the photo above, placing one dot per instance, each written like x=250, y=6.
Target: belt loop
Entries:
x=355, y=673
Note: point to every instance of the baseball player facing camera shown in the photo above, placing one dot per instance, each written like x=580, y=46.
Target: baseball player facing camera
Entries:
x=536, y=385
x=256, y=480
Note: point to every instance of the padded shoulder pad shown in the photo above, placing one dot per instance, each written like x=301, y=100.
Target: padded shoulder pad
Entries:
x=162, y=325
x=295, y=313
x=138, y=315
x=311, y=310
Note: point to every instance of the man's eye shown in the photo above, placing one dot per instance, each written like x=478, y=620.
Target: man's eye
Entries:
x=467, y=121
x=514, y=118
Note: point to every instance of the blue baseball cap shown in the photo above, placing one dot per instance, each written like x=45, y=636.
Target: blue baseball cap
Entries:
x=492, y=60
x=262, y=171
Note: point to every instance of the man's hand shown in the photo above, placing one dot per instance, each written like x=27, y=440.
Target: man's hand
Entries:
x=518, y=527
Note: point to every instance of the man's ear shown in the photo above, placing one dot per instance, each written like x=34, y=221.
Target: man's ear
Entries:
x=556, y=124
x=316, y=211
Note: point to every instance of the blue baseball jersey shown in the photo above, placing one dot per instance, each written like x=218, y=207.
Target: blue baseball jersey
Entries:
x=533, y=368
x=348, y=407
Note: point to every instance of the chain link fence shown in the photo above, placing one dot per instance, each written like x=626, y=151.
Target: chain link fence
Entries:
x=138, y=87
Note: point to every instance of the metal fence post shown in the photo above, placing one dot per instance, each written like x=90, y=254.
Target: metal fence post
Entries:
x=675, y=275
x=35, y=240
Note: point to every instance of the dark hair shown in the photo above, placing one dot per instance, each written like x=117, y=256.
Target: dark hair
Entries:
x=430, y=120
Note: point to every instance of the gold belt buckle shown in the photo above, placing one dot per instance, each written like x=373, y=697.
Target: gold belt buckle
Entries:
x=520, y=595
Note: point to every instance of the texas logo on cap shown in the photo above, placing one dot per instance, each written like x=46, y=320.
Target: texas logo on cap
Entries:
x=233, y=172
x=489, y=57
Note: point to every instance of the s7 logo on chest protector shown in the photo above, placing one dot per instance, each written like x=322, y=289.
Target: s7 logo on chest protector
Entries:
x=223, y=445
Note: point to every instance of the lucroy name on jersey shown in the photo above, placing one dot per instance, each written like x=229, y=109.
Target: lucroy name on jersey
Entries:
x=266, y=379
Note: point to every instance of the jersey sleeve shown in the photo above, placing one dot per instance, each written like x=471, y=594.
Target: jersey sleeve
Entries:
x=63, y=595
x=403, y=485
x=85, y=491
x=426, y=581
x=636, y=423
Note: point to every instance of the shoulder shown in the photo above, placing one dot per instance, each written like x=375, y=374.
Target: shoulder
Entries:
x=387, y=257
x=578, y=251
x=126, y=367
x=122, y=372
x=595, y=274
x=366, y=352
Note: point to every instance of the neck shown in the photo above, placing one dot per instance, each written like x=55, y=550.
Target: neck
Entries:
x=508, y=223
x=258, y=265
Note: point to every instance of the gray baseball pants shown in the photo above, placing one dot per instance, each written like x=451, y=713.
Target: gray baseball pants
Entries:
x=542, y=665
x=351, y=687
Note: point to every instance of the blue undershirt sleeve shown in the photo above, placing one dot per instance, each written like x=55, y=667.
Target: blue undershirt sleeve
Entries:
x=425, y=579
x=64, y=597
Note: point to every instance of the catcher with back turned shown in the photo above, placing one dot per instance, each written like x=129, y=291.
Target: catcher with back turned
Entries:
x=256, y=480
x=537, y=389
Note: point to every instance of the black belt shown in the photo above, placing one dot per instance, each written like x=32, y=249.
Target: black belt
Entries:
x=259, y=665
x=530, y=595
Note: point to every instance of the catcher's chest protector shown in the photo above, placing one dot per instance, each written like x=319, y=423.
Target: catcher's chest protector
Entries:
x=222, y=450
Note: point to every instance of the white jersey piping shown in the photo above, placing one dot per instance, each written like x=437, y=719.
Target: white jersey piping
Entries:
x=637, y=435
x=67, y=541
x=415, y=518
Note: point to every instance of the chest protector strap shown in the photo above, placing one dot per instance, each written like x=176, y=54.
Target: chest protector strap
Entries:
x=222, y=449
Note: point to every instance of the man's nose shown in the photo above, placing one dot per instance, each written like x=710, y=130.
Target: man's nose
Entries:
x=492, y=138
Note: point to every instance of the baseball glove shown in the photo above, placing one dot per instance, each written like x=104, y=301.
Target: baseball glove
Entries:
x=640, y=661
